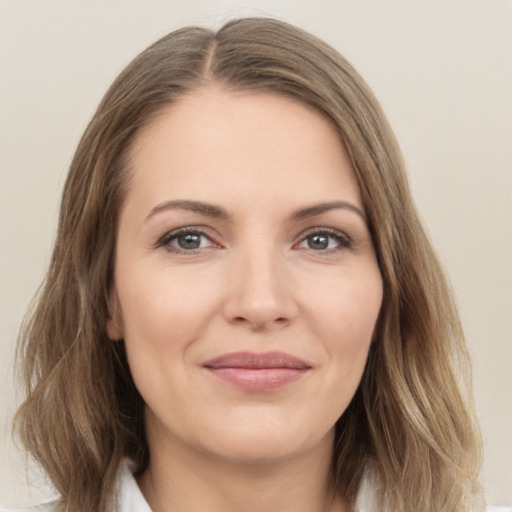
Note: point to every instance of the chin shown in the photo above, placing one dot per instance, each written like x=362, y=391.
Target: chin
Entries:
x=263, y=444
x=253, y=452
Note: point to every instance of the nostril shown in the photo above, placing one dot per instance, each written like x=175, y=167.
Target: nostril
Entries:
x=260, y=324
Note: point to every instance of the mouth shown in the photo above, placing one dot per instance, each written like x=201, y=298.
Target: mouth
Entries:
x=250, y=371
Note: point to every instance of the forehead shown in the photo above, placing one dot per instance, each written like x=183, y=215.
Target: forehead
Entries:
x=252, y=143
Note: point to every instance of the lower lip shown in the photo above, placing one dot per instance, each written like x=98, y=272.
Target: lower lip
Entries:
x=258, y=379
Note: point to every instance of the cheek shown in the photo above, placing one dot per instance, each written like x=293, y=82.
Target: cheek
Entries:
x=341, y=316
x=349, y=301
x=345, y=317
x=164, y=315
x=164, y=311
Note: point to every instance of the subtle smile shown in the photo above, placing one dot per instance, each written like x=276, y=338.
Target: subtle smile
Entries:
x=255, y=372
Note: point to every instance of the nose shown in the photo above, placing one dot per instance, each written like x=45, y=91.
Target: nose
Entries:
x=259, y=292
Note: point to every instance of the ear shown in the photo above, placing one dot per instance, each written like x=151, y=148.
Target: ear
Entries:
x=115, y=324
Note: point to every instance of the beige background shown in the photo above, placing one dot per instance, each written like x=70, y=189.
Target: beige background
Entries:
x=443, y=72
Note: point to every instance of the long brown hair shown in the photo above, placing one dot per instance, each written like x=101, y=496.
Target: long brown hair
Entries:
x=411, y=421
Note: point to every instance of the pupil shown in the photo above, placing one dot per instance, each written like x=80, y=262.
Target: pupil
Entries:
x=189, y=241
x=318, y=242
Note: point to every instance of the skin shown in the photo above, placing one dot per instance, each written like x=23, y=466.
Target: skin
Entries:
x=259, y=281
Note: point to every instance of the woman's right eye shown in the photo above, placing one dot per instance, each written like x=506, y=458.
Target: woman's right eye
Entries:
x=185, y=241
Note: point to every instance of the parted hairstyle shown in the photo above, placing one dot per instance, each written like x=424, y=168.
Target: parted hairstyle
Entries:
x=411, y=420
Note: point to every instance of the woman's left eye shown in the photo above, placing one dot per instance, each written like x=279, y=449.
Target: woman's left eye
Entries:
x=325, y=240
x=185, y=241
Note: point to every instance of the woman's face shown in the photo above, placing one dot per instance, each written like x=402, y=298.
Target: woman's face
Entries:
x=246, y=282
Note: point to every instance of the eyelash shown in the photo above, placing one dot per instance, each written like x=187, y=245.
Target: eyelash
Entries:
x=344, y=241
x=166, y=240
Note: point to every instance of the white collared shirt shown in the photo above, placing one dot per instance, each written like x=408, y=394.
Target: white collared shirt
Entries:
x=130, y=498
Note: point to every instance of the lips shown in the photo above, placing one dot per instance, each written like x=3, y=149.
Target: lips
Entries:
x=250, y=371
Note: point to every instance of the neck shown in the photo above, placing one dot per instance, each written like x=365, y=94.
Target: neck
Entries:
x=185, y=479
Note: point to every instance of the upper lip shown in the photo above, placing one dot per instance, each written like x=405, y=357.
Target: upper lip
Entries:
x=257, y=361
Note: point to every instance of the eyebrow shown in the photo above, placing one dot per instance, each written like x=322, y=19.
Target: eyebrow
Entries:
x=217, y=212
x=318, y=209
x=205, y=209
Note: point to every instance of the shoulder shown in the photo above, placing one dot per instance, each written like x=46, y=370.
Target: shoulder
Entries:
x=128, y=497
x=45, y=507
x=368, y=498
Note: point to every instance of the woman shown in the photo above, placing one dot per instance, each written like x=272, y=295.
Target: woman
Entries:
x=242, y=311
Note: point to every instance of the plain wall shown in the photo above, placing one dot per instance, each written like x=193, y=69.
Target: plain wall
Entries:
x=442, y=70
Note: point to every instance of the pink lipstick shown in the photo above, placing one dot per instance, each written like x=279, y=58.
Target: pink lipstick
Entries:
x=255, y=372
